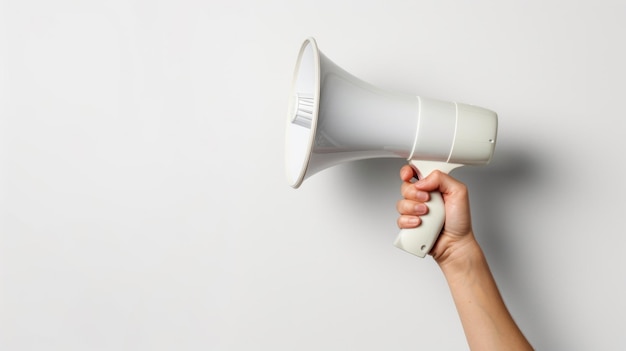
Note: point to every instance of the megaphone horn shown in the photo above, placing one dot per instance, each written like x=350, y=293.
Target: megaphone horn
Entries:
x=334, y=117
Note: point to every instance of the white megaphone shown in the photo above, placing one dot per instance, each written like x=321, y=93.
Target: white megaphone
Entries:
x=335, y=117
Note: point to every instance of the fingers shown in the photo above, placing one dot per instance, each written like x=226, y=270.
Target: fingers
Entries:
x=412, y=205
x=409, y=213
x=417, y=194
x=412, y=208
x=410, y=192
x=405, y=222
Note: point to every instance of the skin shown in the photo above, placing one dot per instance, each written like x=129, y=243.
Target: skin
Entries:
x=486, y=321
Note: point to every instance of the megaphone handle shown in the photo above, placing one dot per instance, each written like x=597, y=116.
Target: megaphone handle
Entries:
x=418, y=241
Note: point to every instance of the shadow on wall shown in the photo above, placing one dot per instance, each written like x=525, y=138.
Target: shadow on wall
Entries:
x=492, y=190
x=373, y=187
x=496, y=192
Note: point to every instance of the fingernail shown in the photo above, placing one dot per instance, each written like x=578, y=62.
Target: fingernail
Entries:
x=413, y=220
x=421, y=196
x=420, y=208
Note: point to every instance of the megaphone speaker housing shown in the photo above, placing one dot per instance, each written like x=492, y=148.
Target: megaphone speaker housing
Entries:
x=334, y=117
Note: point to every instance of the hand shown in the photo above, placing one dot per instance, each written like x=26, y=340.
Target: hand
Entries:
x=457, y=229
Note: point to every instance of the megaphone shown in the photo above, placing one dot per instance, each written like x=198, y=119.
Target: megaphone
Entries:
x=334, y=117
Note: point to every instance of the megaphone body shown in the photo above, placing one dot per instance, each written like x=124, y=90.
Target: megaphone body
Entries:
x=335, y=117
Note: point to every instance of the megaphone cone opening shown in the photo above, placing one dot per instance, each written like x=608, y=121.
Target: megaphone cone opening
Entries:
x=303, y=112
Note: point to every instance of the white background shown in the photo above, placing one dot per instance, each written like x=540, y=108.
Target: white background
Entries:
x=143, y=203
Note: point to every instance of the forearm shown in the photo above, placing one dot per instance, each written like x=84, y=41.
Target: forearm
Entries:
x=486, y=321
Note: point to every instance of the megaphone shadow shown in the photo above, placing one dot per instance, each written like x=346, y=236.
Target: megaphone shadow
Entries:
x=373, y=184
x=491, y=189
x=374, y=187
x=495, y=193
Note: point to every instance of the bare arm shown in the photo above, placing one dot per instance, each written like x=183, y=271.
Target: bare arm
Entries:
x=487, y=323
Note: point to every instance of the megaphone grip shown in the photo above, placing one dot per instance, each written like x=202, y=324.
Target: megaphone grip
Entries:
x=418, y=241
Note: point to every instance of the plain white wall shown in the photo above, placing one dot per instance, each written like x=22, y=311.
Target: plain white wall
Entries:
x=143, y=203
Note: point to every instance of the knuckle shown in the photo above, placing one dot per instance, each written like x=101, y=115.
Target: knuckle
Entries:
x=402, y=206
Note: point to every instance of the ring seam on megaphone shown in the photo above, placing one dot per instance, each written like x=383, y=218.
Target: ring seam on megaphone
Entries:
x=456, y=128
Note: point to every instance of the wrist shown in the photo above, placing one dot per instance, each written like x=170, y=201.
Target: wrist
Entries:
x=459, y=255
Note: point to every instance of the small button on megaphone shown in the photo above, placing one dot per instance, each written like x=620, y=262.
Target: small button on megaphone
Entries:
x=334, y=117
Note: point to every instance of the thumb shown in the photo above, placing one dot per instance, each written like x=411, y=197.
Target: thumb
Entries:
x=438, y=180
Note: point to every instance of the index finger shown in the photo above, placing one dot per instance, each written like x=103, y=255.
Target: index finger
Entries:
x=407, y=173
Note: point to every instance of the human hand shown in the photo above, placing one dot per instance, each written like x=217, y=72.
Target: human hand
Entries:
x=457, y=229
